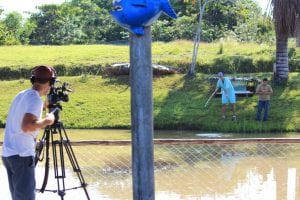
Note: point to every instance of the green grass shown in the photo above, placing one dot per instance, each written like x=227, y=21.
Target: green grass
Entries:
x=87, y=55
x=29, y=56
x=74, y=60
x=181, y=51
x=99, y=102
x=178, y=104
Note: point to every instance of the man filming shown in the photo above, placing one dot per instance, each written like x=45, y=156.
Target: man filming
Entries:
x=23, y=122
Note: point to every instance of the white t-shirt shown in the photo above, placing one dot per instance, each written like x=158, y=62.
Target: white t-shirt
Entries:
x=16, y=142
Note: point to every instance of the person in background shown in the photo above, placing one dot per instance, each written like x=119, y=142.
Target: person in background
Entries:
x=264, y=91
x=228, y=94
x=23, y=122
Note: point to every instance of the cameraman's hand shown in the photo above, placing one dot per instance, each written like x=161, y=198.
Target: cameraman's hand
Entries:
x=31, y=123
x=49, y=119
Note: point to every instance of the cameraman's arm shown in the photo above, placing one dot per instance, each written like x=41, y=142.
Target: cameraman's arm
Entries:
x=45, y=105
x=31, y=123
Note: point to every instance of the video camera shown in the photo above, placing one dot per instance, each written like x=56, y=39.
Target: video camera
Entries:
x=59, y=92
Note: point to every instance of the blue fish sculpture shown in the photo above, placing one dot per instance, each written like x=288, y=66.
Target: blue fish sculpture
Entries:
x=135, y=15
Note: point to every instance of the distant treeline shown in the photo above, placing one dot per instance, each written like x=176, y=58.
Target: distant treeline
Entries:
x=89, y=22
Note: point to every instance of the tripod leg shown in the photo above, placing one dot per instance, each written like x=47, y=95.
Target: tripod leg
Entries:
x=58, y=160
x=46, y=174
x=73, y=161
x=59, y=165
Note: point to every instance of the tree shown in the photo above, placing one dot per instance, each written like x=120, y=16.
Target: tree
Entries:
x=48, y=20
x=2, y=33
x=74, y=22
x=25, y=32
x=13, y=26
x=202, y=5
x=89, y=22
x=285, y=15
x=297, y=33
x=239, y=17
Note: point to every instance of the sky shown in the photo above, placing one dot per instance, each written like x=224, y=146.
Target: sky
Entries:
x=24, y=5
x=263, y=4
x=30, y=5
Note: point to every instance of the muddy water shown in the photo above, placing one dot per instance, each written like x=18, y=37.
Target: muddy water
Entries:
x=244, y=176
x=231, y=177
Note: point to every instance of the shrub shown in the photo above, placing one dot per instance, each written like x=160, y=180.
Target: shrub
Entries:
x=294, y=65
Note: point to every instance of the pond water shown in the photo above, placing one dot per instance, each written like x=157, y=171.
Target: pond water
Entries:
x=122, y=134
x=226, y=172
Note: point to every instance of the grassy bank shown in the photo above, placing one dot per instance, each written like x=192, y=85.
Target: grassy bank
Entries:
x=173, y=52
x=178, y=104
x=74, y=60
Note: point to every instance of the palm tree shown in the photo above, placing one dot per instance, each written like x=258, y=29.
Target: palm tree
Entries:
x=286, y=15
x=298, y=32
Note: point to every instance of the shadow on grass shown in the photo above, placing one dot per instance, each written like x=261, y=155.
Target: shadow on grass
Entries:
x=286, y=103
x=183, y=108
x=122, y=80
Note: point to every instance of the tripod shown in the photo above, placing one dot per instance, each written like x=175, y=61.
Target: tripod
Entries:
x=59, y=143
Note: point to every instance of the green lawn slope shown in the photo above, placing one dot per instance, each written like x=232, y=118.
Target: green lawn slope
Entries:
x=85, y=55
x=104, y=102
x=99, y=102
x=92, y=59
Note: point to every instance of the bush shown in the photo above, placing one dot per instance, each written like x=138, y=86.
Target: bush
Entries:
x=9, y=73
x=294, y=65
x=234, y=64
x=264, y=65
x=242, y=64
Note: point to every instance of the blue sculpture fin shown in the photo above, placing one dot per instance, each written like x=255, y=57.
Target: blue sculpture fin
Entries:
x=167, y=8
x=140, y=3
x=137, y=30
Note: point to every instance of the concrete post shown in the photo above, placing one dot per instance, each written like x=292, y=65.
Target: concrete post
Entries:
x=141, y=116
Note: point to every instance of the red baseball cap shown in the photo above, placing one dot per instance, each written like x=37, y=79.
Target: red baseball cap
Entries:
x=43, y=72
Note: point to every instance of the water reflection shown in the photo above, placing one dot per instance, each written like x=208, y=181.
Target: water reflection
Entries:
x=194, y=171
x=229, y=177
x=242, y=179
x=213, y=135
x=249, y=184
